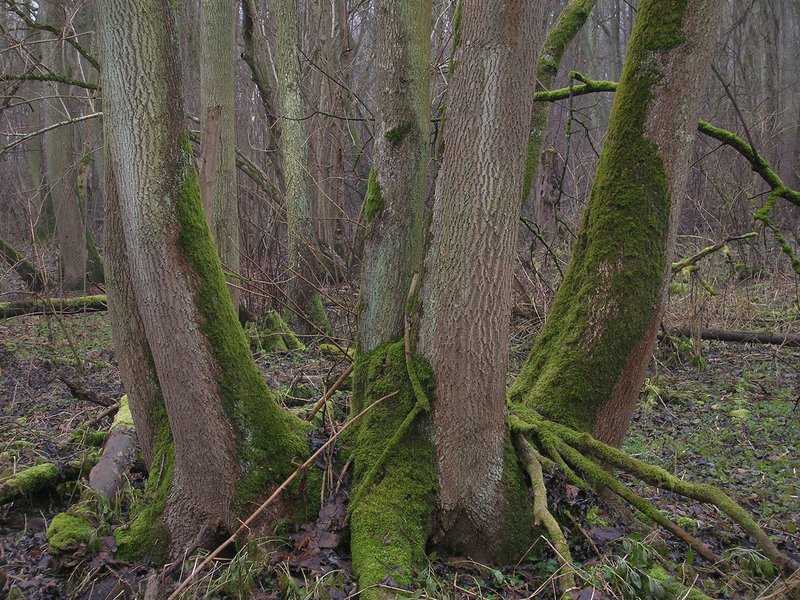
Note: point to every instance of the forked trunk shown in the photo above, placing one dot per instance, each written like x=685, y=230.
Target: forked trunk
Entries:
x=215, y=402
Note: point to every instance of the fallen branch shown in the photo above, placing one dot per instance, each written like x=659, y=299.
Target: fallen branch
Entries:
x=245, y=525
x=81, y=393
x=49, y=305
x=32, y=276
x=331, y=391
x=119, y=454
x=35, y=480
x=741, y=337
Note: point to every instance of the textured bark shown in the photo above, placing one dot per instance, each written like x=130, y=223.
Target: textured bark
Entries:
x=402, y=494
x=141, y=85
x=133, y=350
x=330, y=136
x=228, y=436
x=587, y=366
x=218, y=171
x=466, y=295
x=395, y=200
x=302, y=247
x=61, y=158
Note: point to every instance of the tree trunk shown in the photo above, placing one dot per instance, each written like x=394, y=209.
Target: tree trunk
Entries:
x=218, y=141
x=61, y=159
x=466, y=295
x=216, y=402
x=587, y=366
x=305, y=305
x=402, y=496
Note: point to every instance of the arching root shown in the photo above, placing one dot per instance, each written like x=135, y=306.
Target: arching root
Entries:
x=584, y=456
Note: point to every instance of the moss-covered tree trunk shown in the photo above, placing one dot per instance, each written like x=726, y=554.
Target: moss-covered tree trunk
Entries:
x=61, y=157
x=466, y=294
x=587, y=366
x=218, y=140
x=568, y=24
x=394, y=487
x=307, y=314
x=219, y=439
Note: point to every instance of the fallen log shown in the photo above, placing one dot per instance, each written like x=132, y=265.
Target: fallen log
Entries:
x=119, y=454
x=50, y=305
x=36, y=480
x=741, y=337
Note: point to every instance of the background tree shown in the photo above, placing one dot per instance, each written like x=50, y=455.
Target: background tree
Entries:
x=217, y=162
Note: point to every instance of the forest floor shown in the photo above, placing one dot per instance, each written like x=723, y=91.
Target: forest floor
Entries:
x=730, y=417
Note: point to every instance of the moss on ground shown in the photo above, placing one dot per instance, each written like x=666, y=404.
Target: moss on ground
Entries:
x=67, y=531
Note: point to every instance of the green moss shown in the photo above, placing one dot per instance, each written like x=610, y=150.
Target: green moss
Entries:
x=67, y=531
x=398, y=133
x=606, y=302
x=560, y=35
x=391, y=511
x=147, y=533
x=123, y=417
x=272, y=334
x=32, y=480
x=673, y=588
x=373, y=204
x=268, y=439
x=333, y=350
x=315, y=312
x=517, y=525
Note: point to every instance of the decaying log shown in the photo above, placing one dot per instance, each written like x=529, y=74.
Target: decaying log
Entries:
x=50, y=305
x=36, y=480
x=742, y=337
x=119, y=454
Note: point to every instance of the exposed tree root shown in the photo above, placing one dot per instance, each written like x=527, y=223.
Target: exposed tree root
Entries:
x=119, y=454
x=542, y=516
x=586, y=454
x=33, y=277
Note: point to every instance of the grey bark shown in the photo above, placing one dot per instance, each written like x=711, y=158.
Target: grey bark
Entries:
x=466, y=295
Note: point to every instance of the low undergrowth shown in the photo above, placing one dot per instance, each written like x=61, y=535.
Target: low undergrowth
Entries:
x=744, y=402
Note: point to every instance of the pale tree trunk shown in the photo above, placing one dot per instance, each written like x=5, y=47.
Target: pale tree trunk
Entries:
x=566, y=27
x=216, y=403
x=218, y=141
x=330, y=134
x=402, y=496
x=587, y=367
x=61, y=159
x=256, y=55
x=306, y=311
x=466, y=295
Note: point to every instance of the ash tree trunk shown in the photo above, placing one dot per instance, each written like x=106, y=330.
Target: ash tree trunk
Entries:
x=307, y=314
x=217, y=162
x=450, y=475
x=588, y=365
x=400, y=497
x=199, y=393
x=61, y=157
x=466, y=294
